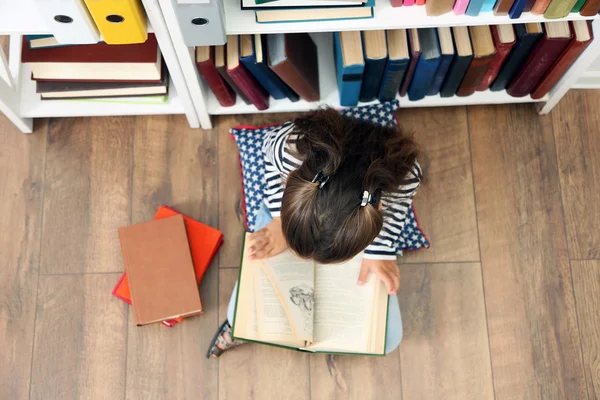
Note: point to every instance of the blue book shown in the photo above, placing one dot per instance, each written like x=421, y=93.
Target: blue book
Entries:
x=375, y=56
x=517, y=9
x=252, y=57
x=488, y=5
x=349, y=66
x=427, y=65
x=447, y=55
x=474, y=8
x=397, y=63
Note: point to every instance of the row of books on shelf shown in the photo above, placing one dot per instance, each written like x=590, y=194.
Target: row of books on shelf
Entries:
x=117, y=73
x=523, y=59
x=87, y=21
x=269, y=11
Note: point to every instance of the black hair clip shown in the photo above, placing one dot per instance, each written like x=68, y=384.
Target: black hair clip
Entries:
x=321, y=178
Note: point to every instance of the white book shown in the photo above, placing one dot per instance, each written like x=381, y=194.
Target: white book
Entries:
x=69, y=21
x=201, y=24
x=300, y=3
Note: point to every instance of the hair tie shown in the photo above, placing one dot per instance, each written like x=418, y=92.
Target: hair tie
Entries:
x=366, y=199
x=321, y=178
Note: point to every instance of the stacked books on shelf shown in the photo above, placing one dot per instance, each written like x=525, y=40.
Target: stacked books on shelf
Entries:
x=89, y=21
x=98, y=72
x=165, y=261
x=550, y=9
x=258, y=67
x=270, y=11
x=524, y=59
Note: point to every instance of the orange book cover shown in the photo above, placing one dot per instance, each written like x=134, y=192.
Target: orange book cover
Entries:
x=539, y=7
x=204, y=244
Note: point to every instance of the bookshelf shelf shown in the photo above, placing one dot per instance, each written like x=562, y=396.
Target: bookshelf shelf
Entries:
x=385, y=17
x=330, y=95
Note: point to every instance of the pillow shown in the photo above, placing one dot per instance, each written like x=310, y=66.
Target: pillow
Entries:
x=250, y=139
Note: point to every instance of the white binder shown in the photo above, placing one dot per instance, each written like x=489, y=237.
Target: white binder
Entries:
x=202, y=22
x=69, y=21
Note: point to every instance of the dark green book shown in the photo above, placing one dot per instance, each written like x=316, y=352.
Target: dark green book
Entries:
x=577, y=7
x=290, y=302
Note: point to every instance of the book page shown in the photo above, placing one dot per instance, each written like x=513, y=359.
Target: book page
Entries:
x=343, y=310
x=293, y=279
x=245, y=320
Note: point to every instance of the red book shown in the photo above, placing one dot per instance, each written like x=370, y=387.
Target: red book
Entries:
x=242, y=78
x=204, y=244
x=483, y=54
x=504, y=40
x=420, y=2
x=396, y=3
x=205, y=61
x=582, y=37
x=415, y=53
x=539, y=7
x=590, y=8
x=557, y=36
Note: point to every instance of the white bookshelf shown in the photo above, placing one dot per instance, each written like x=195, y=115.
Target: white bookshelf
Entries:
x=330, y=95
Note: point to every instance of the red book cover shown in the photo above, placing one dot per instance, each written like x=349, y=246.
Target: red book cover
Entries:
x=396, y=3
x=565, y=60
x=217, y=84
x=242, y=78
x=590, y=8
x=474, y=75
x=420, y=2
x=537, y=64
x=539, y=7
x=502, y=51
x=415, y=53
x=204, y=244
x=94, y=53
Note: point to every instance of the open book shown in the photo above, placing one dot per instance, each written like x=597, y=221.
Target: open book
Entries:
x=291, y=302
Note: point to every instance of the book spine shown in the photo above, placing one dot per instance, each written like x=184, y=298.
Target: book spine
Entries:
x=577, y=7
x=460, y=7
x=223, y=72
x=224, y=94
x=409, y=3
x=474, y=8
x=372, y=78
x=247, y=84
x=502, y=7
x=392, y=79
x=414, y=58
x=421, y=82
x=260, y=76
x=540, y=6
x=558, y=69
x=434, y=8
x=590, y=8
x=396, y=3
x=440, y=74
x=536, y=65
x=488, y=5
x=502, y=51
x=420, y=2
x=516, y=58
x=529, y=5
x=455, y=75
x=119, y=22
x=68, y=20
x=474, y=76
x=517, y=9
x=349, y=78
x=559, y=9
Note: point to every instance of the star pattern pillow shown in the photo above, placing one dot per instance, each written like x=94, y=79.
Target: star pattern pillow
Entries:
x=250, y=140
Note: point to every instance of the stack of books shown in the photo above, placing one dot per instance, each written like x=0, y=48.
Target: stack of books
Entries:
x=128, y=73
x=524, y=59
x=270, y=11
x=165, y=260
x=550, y=9
x=257, y=67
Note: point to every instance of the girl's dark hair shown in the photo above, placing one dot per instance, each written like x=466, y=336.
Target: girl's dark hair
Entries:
x=328, y=224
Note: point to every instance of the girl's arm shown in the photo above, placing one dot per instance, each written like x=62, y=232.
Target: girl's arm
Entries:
x=395, y=207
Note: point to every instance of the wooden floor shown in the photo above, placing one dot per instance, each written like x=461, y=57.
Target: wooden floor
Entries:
x=505, y=305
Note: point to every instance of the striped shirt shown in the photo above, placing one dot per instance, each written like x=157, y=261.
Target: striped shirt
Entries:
x=279, y=162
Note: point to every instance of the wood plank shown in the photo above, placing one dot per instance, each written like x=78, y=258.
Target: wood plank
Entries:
x=254, y=371
x=586, y=282
x=445, y=350
x=87, y=194
x=445, y=202
x=174, y=165
x=532, y=325
x=21, y=187
x=80, y=339
x=576, y=123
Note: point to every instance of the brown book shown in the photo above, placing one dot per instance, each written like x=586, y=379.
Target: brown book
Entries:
x=438, y=7
x=483, y=54
x=502, y=7
x=293, y=57
x=161, y=273
x=96, y=62
x=590, y=8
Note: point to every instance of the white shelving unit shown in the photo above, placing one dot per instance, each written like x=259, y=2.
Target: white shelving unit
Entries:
x=21, y=104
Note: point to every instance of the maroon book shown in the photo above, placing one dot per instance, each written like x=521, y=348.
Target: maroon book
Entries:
x=582, y=37
x=546, y=52
x=205, y=61
x=590, y=8
x=242, y=78
x=503, y=48
x=484, y=51
x=529, y=5
x=415, y=53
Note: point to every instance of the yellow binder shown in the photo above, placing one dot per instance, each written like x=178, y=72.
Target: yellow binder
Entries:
x=119, y=21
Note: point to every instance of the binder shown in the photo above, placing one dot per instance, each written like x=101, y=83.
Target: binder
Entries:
x=202, y=23
x=119, y=21
x=69, y=21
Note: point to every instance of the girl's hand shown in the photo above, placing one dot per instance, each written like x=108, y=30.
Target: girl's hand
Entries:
x=386, y=271
x=268, y=242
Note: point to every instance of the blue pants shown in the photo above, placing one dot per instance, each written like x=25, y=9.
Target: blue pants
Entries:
x=394, y=320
